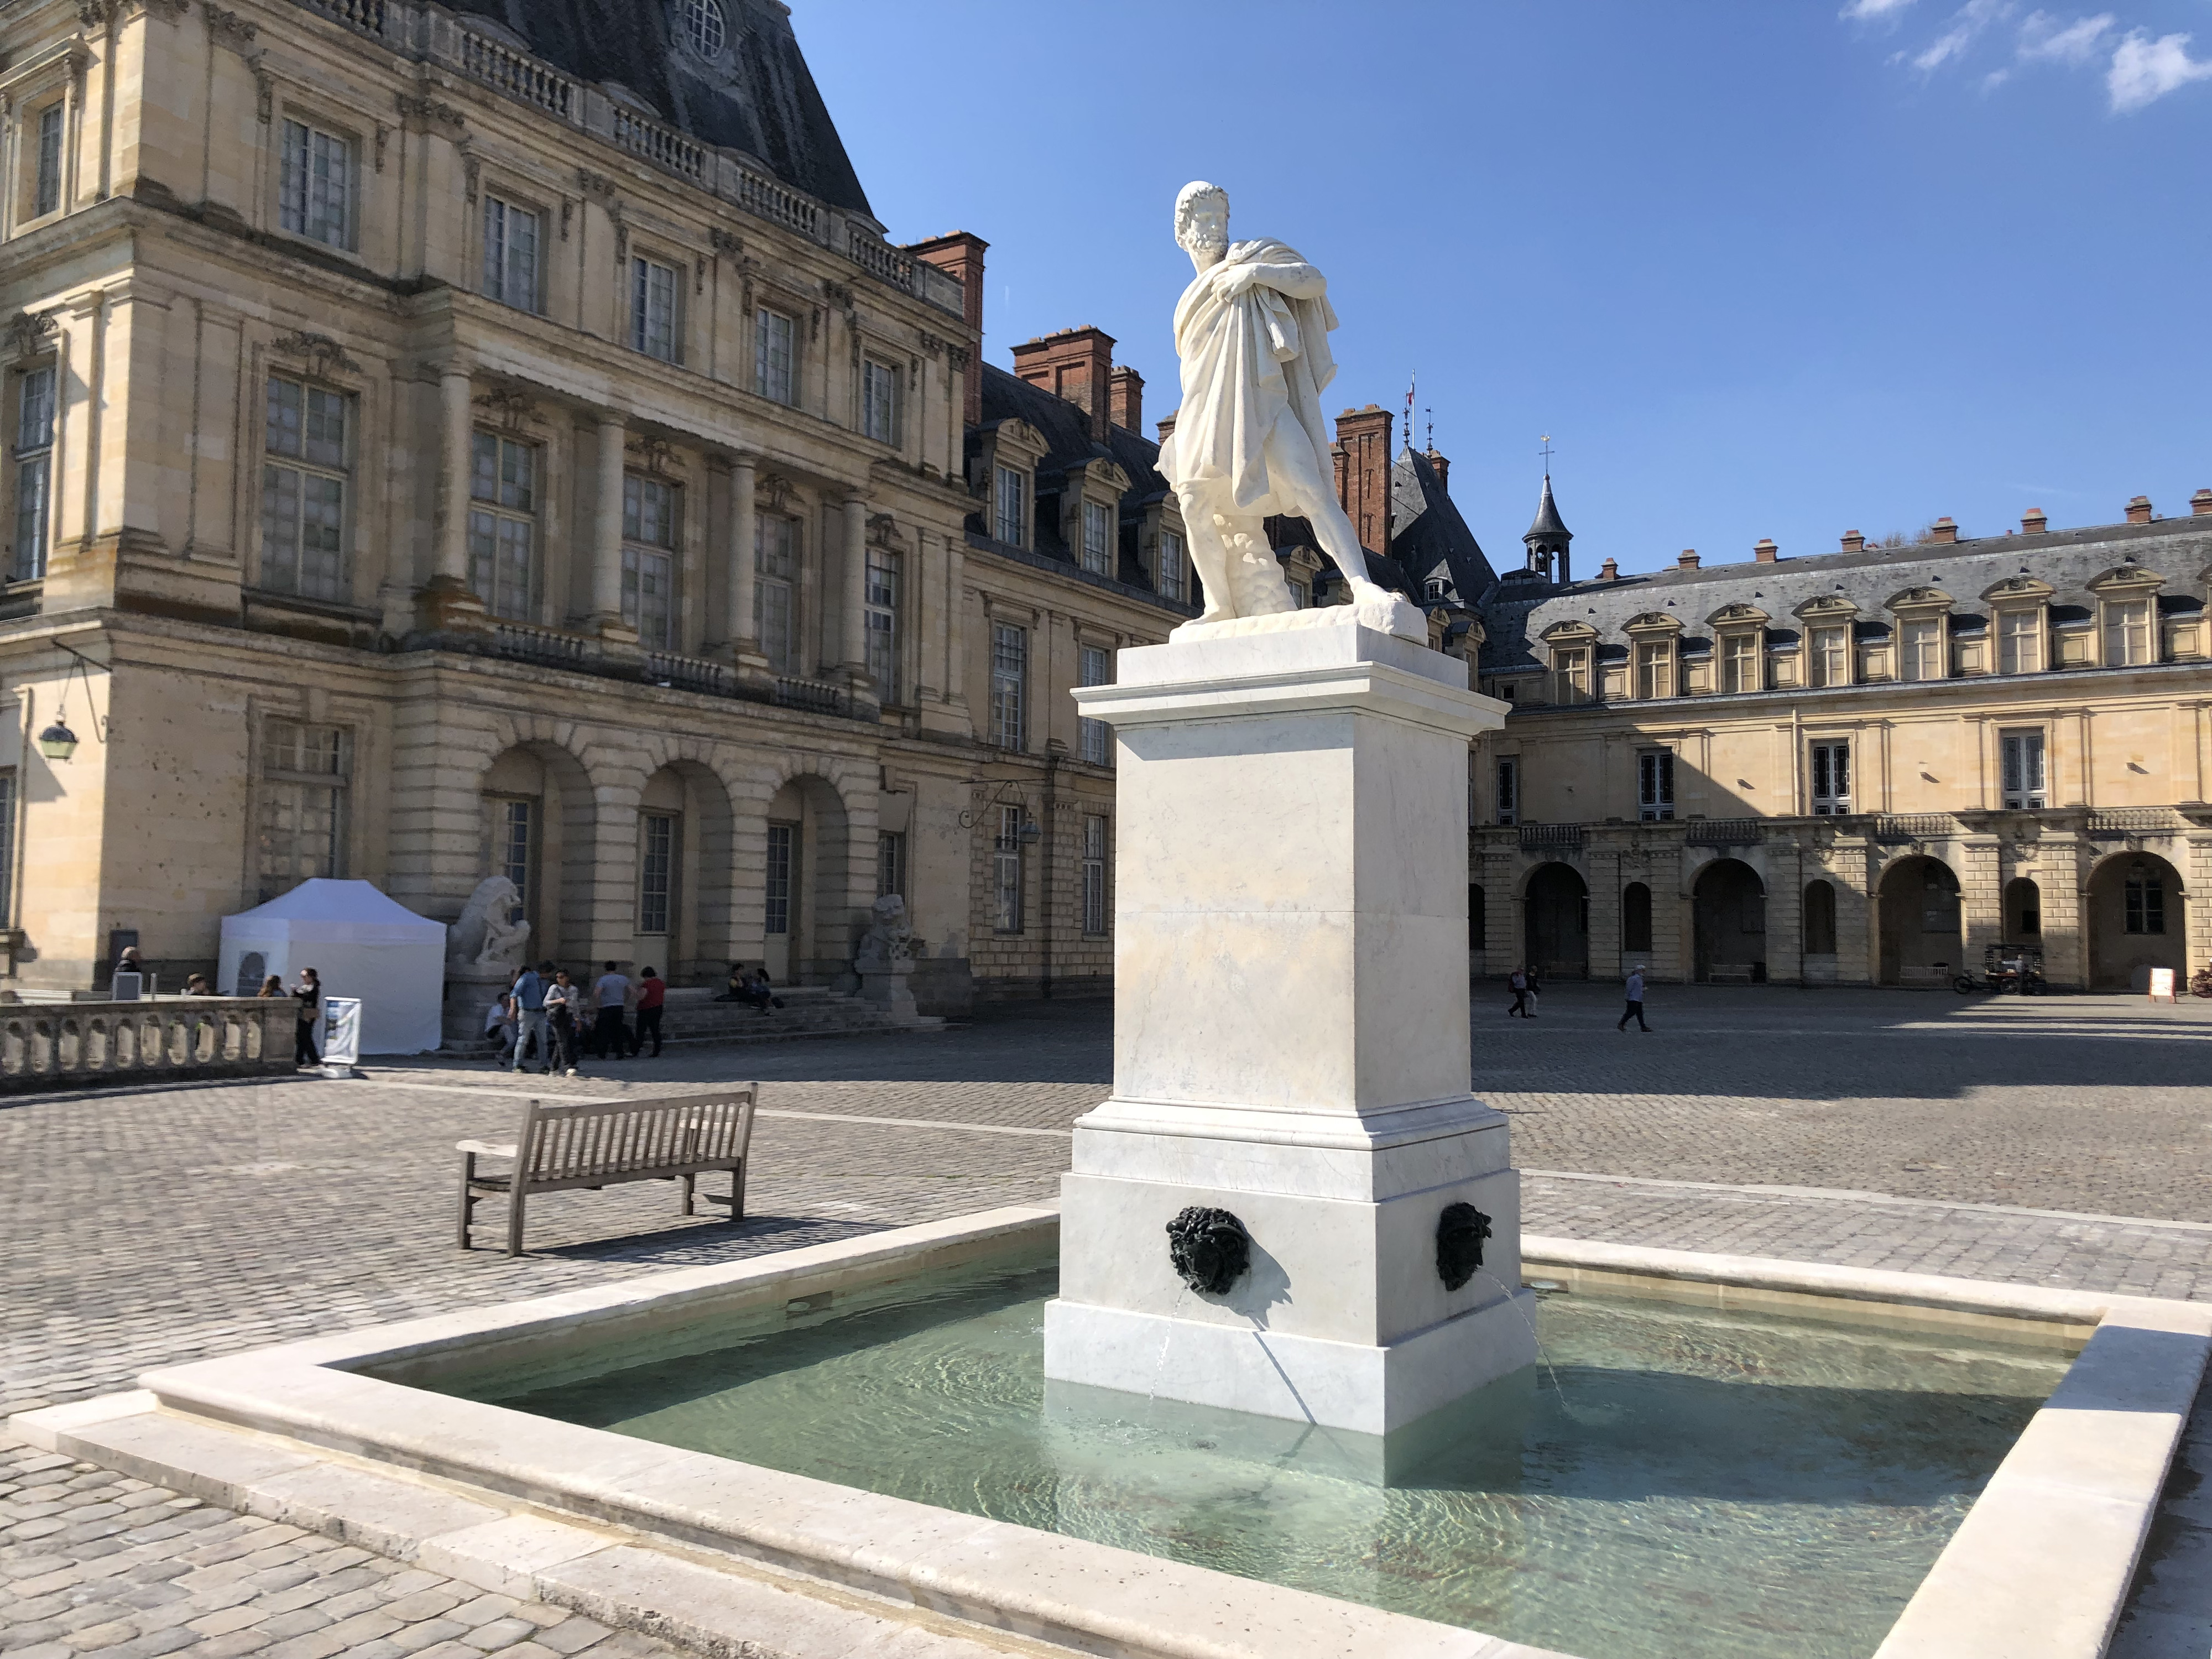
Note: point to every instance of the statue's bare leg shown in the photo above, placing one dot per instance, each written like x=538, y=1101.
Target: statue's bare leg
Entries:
x=1209, y=557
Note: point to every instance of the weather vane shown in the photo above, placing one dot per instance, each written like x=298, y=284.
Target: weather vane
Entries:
x=1547, y=452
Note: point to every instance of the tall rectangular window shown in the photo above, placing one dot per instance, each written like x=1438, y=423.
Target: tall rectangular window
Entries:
x=774, y=369
x=2144, y=896
x=34, y=473
x=2020, y=641
x=1740, y=667
x=879, y=402
x=1509, y=789
x=1655, y=785
x=1571, y=675
x=46, y=184
x=1655, y=668
x=514, y=850
x=1095, y=666
x=1829, y=657
x=2021, y=770
x=1010, y=674
x=511, y=240
x=653, y=309
x=1006, y=872
x=1094, y=876
x=1832, y=779
x=883, y=609
x=2127, y=633
x=776, y=610
x=656, y=870
x=317, y=185
x=890, y=863
x=1920, y=649
x=502, y=522
x=648, y=579
x=1012, y=516
x=1098, y=538
x=306, y=775
x=782, y=854
x=303, y=490
x=1170, y=572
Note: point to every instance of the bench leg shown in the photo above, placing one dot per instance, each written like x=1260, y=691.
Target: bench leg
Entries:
x=468, y=1199
x=738, y=1192
x=515, y=1217
x=690, y=1184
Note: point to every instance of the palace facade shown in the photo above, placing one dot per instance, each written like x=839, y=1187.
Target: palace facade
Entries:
x=456, y=439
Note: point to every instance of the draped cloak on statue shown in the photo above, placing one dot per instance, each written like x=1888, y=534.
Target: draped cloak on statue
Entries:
x=1254, y=368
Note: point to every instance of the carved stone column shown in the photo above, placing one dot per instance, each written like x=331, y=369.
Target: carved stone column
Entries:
x=607, y=528
x=856, y=585
x=745, y=555
x=455, y=464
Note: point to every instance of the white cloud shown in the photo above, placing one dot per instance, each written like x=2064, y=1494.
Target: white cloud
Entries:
x=1995, y=79
x=2078, y=42
x=2144, y=71
x=1861, y=11
x=1966, y=24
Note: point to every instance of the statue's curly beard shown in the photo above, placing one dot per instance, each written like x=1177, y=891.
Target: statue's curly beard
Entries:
x=1213, y=243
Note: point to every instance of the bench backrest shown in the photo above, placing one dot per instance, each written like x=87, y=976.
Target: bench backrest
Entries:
x=616, y=1138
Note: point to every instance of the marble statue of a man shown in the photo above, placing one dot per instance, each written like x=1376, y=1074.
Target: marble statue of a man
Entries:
x=1252, y=333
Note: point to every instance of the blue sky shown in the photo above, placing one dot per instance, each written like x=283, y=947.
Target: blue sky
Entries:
x=1774, y=268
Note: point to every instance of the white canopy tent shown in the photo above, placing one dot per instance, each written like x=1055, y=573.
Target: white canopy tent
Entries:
x=361, y=942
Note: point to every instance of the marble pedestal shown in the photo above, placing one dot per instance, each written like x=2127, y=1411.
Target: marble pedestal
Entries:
x=886, y=985
x=1291, y=1036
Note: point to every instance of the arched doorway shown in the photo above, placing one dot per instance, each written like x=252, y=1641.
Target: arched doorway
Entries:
x=1557, y=935
x=1820, y=919
x=1728, y=910
x=2135, y=922
x=538, y=806
x=1921, y=941
x=807, y=912
x=1636, y=918
x=2023, y=912
x=680, y=903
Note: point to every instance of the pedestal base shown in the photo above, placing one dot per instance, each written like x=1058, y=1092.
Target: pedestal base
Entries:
x=887, y=986
x=1339, y=1385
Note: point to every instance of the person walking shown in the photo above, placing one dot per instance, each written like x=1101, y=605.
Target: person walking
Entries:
x=564, y=1009
x=652, y=994
x=1517, y=982
x=310, y=994
x=1635, y=1009
x=527, y=995
x=609, y=1040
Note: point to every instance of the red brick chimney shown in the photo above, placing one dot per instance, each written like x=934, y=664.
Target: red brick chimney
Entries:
x=2200, y=504
x=2034, y=521
x=2139, y=510
x=960, y=256
x=1074, y=364
x=1166, y=426
x=1944, y=531
x=1689, y=561
x=1853, y=542
x=1610, y=570
x=1764, y=551
x=1363, y=473
x=1443, y=471
x=1125, y=398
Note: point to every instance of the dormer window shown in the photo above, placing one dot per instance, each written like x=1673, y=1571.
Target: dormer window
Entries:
x=1923, y=638
x=1742, y=635
x=1651, y=654
x=2021, y=622
x=704, y=26
x=2127, y=604
x=1012, y=499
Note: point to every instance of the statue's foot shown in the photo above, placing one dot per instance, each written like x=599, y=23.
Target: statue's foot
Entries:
x=1377, y=607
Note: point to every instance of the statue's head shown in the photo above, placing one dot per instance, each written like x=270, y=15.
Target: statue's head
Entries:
x=888, y=908
x=1202, y=219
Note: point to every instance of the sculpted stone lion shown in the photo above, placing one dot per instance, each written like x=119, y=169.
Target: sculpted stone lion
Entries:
x=484, y=937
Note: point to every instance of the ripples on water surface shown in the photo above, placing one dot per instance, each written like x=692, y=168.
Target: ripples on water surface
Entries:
x=1696, y=1485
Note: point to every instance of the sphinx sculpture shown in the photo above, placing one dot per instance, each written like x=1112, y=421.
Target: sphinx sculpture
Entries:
x=1251, y=334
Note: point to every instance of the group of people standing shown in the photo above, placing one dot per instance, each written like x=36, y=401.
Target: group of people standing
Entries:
x=547, y=1017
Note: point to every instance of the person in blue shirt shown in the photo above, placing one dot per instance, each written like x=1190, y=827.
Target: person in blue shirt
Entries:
x=527, y=997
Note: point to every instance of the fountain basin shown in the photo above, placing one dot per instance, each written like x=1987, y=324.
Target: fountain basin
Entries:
x=2039, y=1563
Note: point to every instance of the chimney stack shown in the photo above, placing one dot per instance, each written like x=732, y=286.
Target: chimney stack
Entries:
x=960, y=256
x=1689, y=561
x=1125, y=398
x=1166, y=426
x=1074, y=364
x=1764, y=551
x=2139, y=510
x=1609, y=571
x=1443, y=468
x=1853, y=542
x=1945, y=532
x=1363, y=473
x=2034, y=522
x=2200, y=504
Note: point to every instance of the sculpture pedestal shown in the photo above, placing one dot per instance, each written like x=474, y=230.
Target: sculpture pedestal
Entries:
x=885, y=984
x=1291, y=1037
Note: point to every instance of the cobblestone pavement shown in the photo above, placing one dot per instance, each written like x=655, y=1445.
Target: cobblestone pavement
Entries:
x=2065, y=1141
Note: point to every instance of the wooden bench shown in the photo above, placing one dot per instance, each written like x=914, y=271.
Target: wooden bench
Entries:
x=597, y=1144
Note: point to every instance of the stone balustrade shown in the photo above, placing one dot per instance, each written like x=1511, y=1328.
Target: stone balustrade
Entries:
x=50, y=1045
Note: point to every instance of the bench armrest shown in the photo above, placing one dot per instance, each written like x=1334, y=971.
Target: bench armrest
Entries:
x=484, y=1148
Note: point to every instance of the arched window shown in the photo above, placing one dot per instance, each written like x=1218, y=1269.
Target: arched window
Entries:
x=1820, y=919
x=252, y=969
x=704, y=25
x=2023, y=911
x=1636, y=917
x=1478, y=922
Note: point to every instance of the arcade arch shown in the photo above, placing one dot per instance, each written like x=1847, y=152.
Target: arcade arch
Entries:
x=1921, y=941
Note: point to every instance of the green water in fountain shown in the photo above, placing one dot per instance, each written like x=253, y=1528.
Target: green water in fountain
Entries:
x=1680, y=1483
